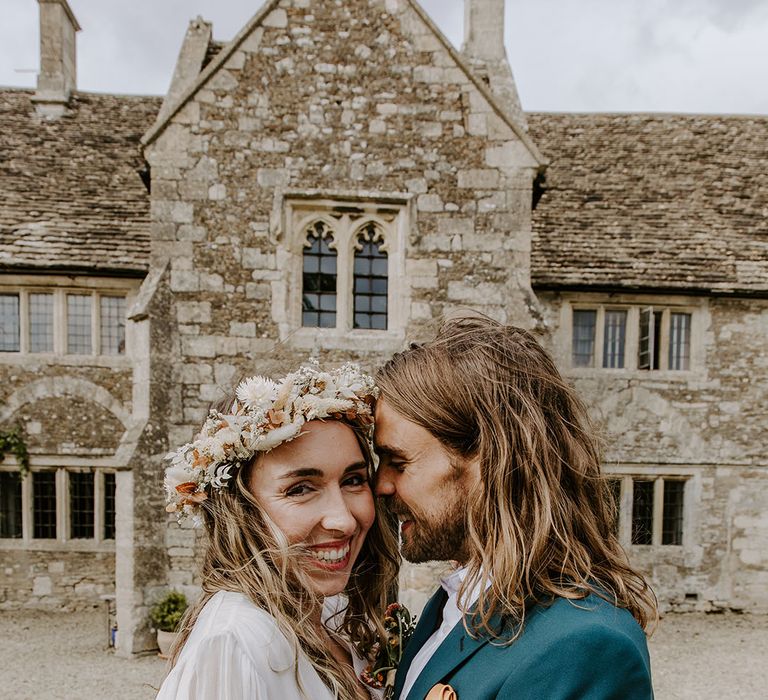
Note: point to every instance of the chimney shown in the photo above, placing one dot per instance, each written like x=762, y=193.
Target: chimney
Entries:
x=484, y=51
x=58, y=71
x=189, y=63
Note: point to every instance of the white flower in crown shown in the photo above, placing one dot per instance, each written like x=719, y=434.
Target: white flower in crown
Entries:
x=256, y=392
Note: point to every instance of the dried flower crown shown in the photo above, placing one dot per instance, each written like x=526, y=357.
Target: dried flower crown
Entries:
x=265, y=414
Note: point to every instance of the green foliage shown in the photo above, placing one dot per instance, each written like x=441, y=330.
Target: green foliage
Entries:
x=13, y=441
x=166, y=613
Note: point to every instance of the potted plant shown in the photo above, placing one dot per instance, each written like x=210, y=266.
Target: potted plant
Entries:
x=165, y=615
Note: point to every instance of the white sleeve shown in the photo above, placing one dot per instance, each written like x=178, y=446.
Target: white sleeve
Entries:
x=217, y=669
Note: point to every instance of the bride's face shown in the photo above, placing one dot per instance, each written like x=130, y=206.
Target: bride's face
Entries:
x=315, y=489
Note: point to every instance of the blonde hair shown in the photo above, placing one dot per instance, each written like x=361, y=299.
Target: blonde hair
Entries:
x=540, y=520
x=245, y=552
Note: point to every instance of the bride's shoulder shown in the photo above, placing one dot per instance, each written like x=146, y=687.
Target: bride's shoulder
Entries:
x=231, y=614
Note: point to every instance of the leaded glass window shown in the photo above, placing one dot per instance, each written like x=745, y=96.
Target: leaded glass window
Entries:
x=614, y=338
x=10, y=505
x=40, y=322
x=583, y=344
x=112, y=325
x=109, y=506
x=44, y=505
x=9, y=323
x=672, y=515
x=370, y=280
x=642, y=512
x=79, y=324
x=81, y=494
x=679, y=341
x=319, y=278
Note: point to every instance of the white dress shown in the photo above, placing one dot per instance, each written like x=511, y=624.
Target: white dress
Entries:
x=236, y=651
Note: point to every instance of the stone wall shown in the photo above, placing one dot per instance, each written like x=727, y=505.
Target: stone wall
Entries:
x=357, y=102
x=708, y=425
x=60, y=580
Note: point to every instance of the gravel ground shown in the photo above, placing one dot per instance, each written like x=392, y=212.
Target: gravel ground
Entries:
x=55, y=656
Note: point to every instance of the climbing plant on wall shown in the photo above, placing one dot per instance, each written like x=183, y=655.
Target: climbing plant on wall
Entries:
x=13, y=441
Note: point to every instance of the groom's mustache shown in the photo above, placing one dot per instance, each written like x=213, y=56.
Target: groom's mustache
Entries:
x=396, y=507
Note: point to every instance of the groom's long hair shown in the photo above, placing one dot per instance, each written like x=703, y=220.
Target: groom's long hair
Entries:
x=540, y=520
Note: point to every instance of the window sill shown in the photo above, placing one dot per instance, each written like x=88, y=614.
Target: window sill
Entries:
x=673, y=376
x=57, y=546
x=364, y=340
x=49, y=359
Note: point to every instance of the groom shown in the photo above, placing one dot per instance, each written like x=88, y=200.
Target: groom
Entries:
x=488, y=461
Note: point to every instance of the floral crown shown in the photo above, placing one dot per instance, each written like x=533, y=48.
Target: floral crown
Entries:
x=265, y=414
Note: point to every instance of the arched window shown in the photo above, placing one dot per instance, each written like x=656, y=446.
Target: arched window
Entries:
x=370, y=279
x=319, y=278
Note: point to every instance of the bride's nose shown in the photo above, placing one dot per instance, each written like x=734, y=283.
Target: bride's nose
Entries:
x=337, y=515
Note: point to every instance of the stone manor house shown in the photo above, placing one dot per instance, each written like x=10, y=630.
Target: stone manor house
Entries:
x=333, y=181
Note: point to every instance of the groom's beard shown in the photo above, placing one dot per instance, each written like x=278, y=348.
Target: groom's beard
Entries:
x=439, y=536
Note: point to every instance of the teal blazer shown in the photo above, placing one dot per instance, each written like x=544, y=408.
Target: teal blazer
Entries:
x=587, y=649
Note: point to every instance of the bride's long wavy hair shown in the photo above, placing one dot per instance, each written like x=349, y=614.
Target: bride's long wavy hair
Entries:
x=247, y=553
x=540, y=520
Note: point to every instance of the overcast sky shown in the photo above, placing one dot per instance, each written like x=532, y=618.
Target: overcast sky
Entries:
x=567, y=55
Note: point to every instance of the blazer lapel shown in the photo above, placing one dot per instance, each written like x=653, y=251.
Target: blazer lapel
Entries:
x=456, y=648
x=428, y=622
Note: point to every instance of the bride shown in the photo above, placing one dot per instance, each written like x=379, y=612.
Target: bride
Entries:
x=297, y=565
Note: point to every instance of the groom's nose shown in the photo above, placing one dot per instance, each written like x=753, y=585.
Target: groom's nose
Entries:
x=384, y=484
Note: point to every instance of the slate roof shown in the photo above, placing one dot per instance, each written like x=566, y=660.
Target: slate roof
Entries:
x=71, y=197
x=665, y=202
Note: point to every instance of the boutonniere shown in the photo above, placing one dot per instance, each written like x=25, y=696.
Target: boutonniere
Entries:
x=441, y=692
x=387, y=654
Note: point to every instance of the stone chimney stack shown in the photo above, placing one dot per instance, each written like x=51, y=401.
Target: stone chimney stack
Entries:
x=484, y=50
x=58, y=65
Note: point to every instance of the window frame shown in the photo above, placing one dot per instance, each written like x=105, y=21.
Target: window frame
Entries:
x=390, y=214
x=95, y=289
x=634, y=309
x=627, y=479
x=63, y=540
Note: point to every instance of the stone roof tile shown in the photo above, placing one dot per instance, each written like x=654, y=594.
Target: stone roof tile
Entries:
x=71, y=197
x=652, y=202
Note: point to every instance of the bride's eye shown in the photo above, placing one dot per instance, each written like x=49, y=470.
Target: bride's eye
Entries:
x=359, y=479
x=298, y=490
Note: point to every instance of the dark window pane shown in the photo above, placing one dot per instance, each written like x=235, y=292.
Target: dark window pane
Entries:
x=613, y=342
x=10, y=505
x=362, y=285
x=9, y=323
x=370, y=281
x=679, y=341
x=642, y=512
x=672, y=517
x=81, y=505
x=379, y=322
x=379, y=286
x=614, y=486
x=319, y=279
x=327, y=319
x=79, y=324
x=109, y=506
x=44, y=505
x=328, y=302
x=379, y=304
x=41, y=322
x=379, y=267
x=583, y=341
x=112, y=325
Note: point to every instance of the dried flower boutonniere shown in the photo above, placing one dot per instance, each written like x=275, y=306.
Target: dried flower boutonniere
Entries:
x=399, y=626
